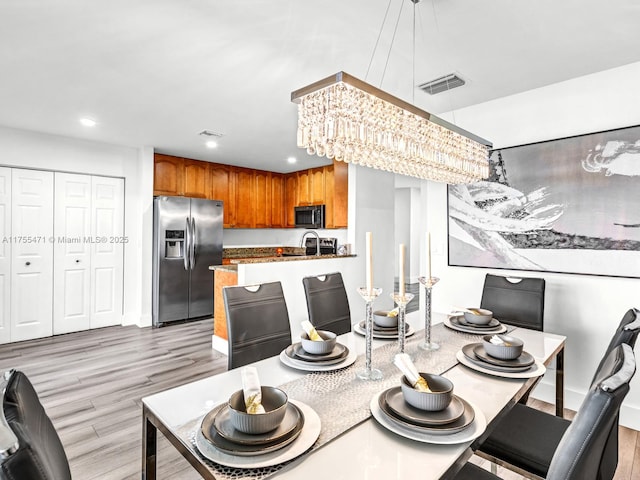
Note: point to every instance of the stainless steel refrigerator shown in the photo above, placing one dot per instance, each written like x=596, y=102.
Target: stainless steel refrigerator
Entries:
x=187, y=239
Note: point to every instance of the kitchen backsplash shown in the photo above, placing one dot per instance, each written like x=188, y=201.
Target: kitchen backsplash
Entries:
x=271, y=237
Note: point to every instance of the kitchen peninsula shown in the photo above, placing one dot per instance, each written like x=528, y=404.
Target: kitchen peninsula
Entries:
x=289, y=269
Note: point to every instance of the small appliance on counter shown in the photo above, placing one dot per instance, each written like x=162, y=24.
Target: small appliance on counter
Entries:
x=328, y=245
x=310, y=216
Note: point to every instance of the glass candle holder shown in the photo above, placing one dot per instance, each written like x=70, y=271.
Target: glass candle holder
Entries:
x=428, y=283
x=401, y=301
x=369, y=296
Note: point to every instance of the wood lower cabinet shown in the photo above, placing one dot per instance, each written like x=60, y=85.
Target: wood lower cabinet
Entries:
x=168, y=175
x=221, y=278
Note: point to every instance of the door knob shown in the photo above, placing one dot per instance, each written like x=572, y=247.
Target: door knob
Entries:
x=77, y=261
x=27, y=263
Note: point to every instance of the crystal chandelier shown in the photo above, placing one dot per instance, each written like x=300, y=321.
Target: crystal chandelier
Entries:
x=346, y=119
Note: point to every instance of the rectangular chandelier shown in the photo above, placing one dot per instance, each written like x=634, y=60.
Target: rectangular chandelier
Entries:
x=346, y=119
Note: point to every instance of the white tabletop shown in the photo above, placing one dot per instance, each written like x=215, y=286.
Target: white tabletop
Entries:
x=368, y=451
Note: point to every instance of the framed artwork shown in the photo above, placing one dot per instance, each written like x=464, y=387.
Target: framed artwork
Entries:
x=570, y=205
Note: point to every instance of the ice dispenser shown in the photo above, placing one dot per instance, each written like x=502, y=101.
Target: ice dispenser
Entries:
x=174, y=244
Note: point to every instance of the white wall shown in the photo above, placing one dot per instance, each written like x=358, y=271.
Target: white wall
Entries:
x=585, y=308
x=20, y=148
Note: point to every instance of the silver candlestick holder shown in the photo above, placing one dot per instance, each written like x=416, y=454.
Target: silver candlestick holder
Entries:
x=428, y=283
x=401, y=301
x=369, y=296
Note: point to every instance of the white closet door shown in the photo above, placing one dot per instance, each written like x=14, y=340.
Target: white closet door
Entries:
x=32, y=254
x=5, y=255
x=107, y=229
x=72, y=253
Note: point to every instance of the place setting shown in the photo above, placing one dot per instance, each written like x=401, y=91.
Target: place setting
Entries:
x=423, y=407
x=500, y=356
x=317, y=351
x=474, y=320
x=385, y=325
x=259, y=426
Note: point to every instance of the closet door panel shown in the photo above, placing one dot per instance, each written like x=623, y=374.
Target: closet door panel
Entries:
x=107, y=228
x=32, y=254
x=72, y=253
x=5, y=255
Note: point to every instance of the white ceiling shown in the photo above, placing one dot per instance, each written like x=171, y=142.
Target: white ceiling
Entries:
x=157, y=72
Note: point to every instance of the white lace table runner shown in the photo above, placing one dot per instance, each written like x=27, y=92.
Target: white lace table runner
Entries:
x=341, y=399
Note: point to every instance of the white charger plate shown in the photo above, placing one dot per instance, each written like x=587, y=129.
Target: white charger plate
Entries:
x=308, y=436
x=470, y=433
x=536, y=370
x=311, y=367
x=409, y=331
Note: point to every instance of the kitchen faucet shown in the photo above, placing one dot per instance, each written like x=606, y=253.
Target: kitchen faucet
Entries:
x=313, y=232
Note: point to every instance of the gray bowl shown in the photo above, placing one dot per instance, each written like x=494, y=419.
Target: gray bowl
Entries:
x=319, y=348
x=381, y=318
x=481, y=318
x=503, y=352
x=438, y=399
x=274, y=402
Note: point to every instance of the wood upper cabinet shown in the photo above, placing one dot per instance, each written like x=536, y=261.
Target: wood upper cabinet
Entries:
x=317, y=186
x=290, y=198
x=245, y=198
x=340, y=194
x=278, y=212
x=168, y=175
x=197, y=180
x=223, y=187
x=262, y=182
x=304, y=187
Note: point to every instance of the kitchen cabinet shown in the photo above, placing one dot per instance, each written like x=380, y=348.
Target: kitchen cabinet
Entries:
x=245, y=198
x=278, y=213
x=340, y=181
x=223, y=187
x=197, y=180
x=262, y=186
x=168, y=175
x=317, y=186
x=290, y=198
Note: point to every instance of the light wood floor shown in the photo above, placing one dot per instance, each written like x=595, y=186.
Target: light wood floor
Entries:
x=91, y=384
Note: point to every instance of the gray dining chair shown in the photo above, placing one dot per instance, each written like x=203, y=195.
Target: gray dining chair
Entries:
x=515, y=301
x=257, y=322
x=327, y=303
x=525, y=439
x=582, y=450
x=30, y=447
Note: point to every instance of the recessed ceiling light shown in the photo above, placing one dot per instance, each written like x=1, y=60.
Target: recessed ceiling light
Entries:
x=291, y=160
x=211, y=144
x=88, y=122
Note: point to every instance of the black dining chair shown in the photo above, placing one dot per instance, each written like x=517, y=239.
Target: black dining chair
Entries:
x=257, y=322
x=582, y=450
x=30, y=447
x=327, y=303
x=515, y=301
x=525, y=439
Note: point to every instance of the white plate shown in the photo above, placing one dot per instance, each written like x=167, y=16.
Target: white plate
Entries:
x=311, y=367
x=470, y=433
x=305, y=440
x=537, y=369
x=460, y=328
x=358, y=329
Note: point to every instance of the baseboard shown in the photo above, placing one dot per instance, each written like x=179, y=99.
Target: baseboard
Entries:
x=133, y=319
x=219, y=344
x=546, y=391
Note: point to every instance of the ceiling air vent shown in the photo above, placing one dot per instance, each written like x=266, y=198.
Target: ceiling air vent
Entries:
x=442, y=84
x=210, y=133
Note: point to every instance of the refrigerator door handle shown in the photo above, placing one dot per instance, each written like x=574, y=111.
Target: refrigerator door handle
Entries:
x=186, y=245
x=192, y=257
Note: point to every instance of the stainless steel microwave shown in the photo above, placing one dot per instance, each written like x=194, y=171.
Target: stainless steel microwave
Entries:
x=311, y=216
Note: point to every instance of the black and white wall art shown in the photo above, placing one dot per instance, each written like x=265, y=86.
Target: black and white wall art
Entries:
x=570, y=205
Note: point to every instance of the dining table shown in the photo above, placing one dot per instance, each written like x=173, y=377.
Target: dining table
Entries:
x=352, y=441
